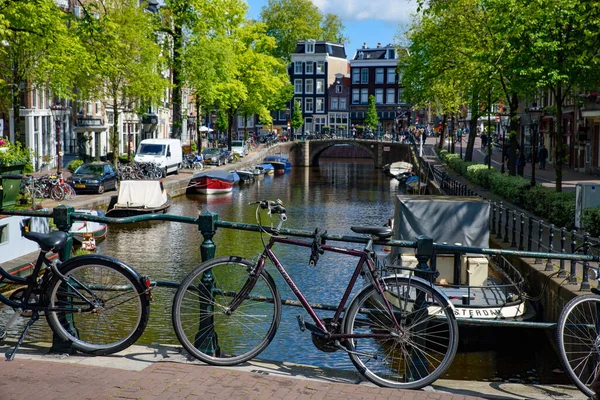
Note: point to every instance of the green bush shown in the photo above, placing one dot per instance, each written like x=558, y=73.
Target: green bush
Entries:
x=73, y=165
x=591, y=221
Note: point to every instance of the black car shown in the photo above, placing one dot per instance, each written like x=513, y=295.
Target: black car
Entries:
x=95, y=176
x=214, y=156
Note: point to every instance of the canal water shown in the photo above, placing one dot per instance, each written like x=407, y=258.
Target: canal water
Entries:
x=338, y=194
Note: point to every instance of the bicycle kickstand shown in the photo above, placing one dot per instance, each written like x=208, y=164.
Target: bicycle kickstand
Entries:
x=11, y=354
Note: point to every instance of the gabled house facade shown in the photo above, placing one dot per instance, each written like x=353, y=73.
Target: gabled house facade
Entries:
x=314, y=67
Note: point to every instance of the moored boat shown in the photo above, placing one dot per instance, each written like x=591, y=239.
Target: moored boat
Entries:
x=88, y=233
x=139, y=197
x=212, y=182
x=397, y=167
x=479, y=287
x=267, y=169
x=246, y=175
x=279, y=163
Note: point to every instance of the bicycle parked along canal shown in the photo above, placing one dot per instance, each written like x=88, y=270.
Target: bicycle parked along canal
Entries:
x=578, y=338
x=97, y=303
x=399, y=330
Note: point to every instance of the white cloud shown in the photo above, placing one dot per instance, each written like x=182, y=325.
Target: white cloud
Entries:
x=396, y=11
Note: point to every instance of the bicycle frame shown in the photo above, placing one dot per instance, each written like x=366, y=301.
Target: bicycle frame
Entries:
x=31, y=282
x=363, y=258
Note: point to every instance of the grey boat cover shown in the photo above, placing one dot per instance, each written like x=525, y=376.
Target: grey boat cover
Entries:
x=446, y=219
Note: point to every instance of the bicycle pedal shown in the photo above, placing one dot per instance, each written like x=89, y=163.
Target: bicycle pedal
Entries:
x=301, y=323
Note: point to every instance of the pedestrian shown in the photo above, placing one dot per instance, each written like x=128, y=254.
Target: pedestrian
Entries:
x=483, y=140
x=543, y=157
x=521, y=162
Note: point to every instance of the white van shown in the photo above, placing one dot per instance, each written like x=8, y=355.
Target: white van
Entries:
x=240, y=147
x=164, y=152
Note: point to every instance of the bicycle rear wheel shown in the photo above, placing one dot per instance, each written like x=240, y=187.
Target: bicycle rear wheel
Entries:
x=578, y=338
x=412, y=354
x=201, y=317
x=120, y=308
x=70, y=194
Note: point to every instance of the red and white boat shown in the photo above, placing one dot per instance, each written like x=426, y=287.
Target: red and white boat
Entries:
x=212, y=182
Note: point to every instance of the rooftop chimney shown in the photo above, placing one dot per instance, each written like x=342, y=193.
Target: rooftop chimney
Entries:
x=378, y=45
x=364, y=45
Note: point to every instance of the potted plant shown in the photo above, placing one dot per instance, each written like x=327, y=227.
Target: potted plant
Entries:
x=14, y=158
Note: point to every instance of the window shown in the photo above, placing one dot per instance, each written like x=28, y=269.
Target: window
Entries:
x=36, y=124
x=88, y=108
x=338, y=88
x=310, y=47
x=379, y=75
x=342, y=103
x=281, y=115
x=320, y=86
x=355, y=96
x=391, y=75
x=34, y=96
x=310, y=67
x=250, y=122
x=297, y=85
x=298, y=67
x=378, y=96
x=389, y=96
x=320, y=105
x=355, y=75
x=364, y=96
x=97, y=108
x=391, y=54
x=240, y=121
x=364, y=75
x=308, y=86
x=320, y=67
x=334, y=103
x=308, y=104
x=110, y=117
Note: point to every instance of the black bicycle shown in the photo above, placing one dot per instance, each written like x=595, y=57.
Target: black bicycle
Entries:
x=97, y=303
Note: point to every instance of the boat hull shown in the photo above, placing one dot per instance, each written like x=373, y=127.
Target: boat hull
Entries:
x=121, y=212
x=207, y=185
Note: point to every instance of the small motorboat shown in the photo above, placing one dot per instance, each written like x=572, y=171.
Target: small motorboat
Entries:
x=246, y=175
x=280, y=164
x=267, y=169
x=398, y=167
x=211, y=182
x=139, y=197
x=88, y=233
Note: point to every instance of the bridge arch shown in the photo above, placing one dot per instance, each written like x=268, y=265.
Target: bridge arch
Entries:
x=318, y=147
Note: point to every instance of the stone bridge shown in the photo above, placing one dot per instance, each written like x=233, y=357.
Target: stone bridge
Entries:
x=307, y=153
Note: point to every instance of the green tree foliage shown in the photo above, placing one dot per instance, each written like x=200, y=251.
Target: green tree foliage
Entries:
x=291, y=20
x=128, y=61
x=297, y=120
x=371, y=119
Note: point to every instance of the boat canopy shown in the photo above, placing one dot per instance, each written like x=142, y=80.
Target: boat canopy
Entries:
x=141, y=193
x=217, y=174
x=446, y=219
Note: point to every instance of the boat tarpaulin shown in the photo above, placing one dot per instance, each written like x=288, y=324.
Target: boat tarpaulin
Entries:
x=142, y=193
x=449, y=219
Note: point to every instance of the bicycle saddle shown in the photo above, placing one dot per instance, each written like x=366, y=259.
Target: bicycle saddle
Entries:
x=48, y=241
x=382, y=232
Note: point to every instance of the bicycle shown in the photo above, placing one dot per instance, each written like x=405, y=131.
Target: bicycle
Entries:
x=578, y=338
x=399, y=330
x=97, y=303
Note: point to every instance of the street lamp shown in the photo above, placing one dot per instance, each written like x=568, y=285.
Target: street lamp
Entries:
x=535, y=114
x=58, y=115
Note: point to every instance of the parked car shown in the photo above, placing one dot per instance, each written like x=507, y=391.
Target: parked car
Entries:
x=214, y=156
x=95, y=176
x=240, y=147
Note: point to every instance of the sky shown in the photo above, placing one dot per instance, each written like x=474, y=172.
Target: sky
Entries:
x=370, y=21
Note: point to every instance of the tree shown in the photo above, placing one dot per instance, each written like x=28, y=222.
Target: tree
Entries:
x=297, y=119
x=128, y=61
x=371, y=119
x=291, y=20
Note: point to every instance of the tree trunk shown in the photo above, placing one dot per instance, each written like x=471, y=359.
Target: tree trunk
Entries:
x=230, y=117
x=472, y=126
x=558, y=138
x=177, y=84
x=512, y=135
x=442, y=133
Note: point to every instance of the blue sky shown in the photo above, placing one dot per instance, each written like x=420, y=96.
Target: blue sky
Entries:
x=370, y=21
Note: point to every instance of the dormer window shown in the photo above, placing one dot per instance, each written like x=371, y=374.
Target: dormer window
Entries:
x=391, y=54
x=310, y=47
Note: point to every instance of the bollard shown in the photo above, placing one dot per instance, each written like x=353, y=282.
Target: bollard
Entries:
x=499, y=235
x=562, y=272
x=494, y=206
x=539, y=243
x=549, y=266
x=585, y=281
x=513, y=243
x=207, y=337
x=573, y=272
x=506, y=219
x=529, y=233
x=62, y=218
x=522, y=233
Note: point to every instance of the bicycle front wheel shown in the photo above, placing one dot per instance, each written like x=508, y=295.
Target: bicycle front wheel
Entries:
x=578, y=338
x=202, y=319
x=410, y=353
x=119, y=312
x=70, y=194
